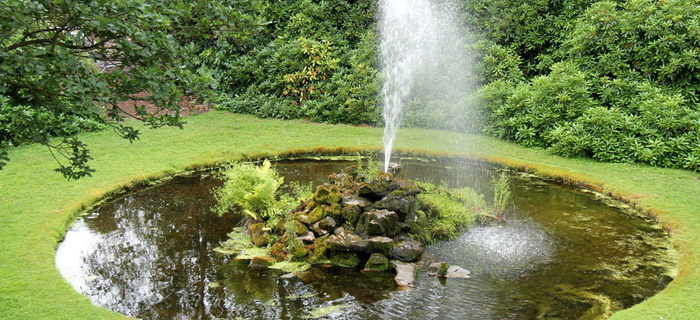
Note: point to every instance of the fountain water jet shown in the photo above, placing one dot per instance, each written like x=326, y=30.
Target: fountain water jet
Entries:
x=424, y=58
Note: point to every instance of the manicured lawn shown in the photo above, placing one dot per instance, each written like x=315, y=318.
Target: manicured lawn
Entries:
x=37, y=204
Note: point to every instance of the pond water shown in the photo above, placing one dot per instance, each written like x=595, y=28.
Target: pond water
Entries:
x=563, y=254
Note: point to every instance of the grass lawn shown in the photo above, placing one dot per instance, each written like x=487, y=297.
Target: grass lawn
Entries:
x=36, y=204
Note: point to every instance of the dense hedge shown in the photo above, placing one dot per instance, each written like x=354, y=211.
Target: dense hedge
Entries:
x=625, y=89
x=308, y=59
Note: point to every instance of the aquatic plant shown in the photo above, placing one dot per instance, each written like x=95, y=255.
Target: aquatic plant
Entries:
x=501, y=194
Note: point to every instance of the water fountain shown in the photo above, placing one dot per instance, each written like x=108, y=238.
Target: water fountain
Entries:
x=149, y=254
x=424, y=59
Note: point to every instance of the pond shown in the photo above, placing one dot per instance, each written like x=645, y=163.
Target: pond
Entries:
x=564, y=253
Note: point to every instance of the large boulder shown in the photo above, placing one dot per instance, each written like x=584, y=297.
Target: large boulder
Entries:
x=377, y=223
x=407, y=250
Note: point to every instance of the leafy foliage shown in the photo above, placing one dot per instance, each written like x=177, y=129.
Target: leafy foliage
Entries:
x=625, y=90
x=66, y=65
x=313, y=60
x=531, y=29
x=252, y=188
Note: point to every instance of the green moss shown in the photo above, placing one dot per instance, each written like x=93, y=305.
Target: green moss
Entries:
x=444, y=214
x=263, y=261
x=351, y=213
x=443, y=269
x=345, y=259
x=300, y=228
x=377, y=262
x=260, y=237
x=320, y=249
x=314, y=216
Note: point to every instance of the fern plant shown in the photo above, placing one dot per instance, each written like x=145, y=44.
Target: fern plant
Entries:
x=251, y=188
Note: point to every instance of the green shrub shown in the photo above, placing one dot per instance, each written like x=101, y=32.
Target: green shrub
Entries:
x=313, y=60
x=642, y=40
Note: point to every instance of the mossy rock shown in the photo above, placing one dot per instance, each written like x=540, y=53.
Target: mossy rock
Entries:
x=351, y=213
x=262, y=261
x=300, y=228
x=334, y=210
x=381, y=245
x=345, y=259
x=316, y=214
x=320, y=249
x=398, y=201
x=377, y=223
x=278, y=251
x=377, y=262
x=327, y=195
x=300, y=252
x=260, y=237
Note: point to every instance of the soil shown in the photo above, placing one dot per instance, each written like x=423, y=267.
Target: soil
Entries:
x=188, y=106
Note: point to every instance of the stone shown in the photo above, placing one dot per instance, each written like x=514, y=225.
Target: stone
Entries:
x=377, y=223
x=259, y=235
x=485, y=219
x=333, y=210
x=314, y=215
x=300, y=228
x=378, y=188
x=405, y=273
x=327, y=223
x=351, y=213
x=398, y=201
x=289, y=276
x=318, y=231
x=408, y=187
x=261, y=261
x=308, y=237
x=352, y=200
x=407, y=250
x=320, y=248
x=327, y=195
x=458, y=272
x=380, y=244
x=278, y=251
x=347, y=241
x=377, y=262
x=437, y=269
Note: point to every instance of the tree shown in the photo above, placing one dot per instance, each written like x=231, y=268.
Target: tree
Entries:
x=66, y=64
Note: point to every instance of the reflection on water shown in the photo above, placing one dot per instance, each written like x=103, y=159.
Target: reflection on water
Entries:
x=563, y=254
